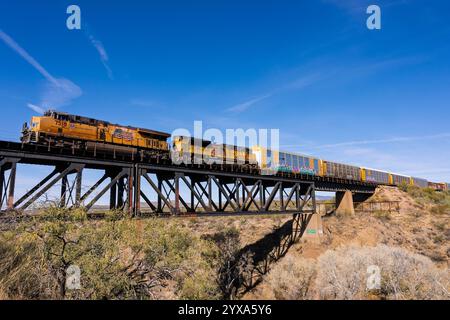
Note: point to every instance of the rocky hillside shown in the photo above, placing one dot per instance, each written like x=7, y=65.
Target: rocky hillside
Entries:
x=421, y=226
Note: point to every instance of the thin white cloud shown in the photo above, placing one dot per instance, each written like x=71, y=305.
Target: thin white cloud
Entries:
x=382, y=141
x=306, y=80
x=35, y=108
x=55, y=96
x=374, y=141
x=299, y=83
x=247, y=104
x=328, y=72
x=431, y=171
x=56, y=92
x=98, y=45
x=142, y=103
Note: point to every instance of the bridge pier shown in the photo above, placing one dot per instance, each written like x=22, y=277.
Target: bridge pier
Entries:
x=314, y=228
x=346, y=201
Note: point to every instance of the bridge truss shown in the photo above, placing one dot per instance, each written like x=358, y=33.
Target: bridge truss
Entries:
x=141, y=187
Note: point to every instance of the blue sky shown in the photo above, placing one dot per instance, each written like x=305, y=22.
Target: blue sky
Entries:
x=310, y=68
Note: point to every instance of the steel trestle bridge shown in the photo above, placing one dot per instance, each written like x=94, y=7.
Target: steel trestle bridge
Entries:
x=132, y=181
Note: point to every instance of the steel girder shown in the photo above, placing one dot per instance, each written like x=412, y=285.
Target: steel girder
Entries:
x=186, y=192
x=68, y=177
x=172, y=192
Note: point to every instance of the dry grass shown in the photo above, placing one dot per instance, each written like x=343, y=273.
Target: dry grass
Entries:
x=291, y=279
x=343, y=274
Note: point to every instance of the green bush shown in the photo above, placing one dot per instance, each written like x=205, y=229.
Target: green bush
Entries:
x=440, y=200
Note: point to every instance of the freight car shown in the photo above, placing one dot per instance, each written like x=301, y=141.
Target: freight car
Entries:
x=440, y=186
x=376, y=176
x=398, y=179
x=342, y=171
x=67, y=130
x=278, y=161
x=419, y=182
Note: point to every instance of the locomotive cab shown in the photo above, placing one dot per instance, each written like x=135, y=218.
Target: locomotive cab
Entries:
x=30, y=134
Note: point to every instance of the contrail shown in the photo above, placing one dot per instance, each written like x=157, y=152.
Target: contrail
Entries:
x=56, y=92
x=15, y=46
x=375, y=141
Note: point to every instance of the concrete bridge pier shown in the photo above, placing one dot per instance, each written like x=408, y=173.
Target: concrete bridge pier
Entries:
x=314, y=228
x=346, y=201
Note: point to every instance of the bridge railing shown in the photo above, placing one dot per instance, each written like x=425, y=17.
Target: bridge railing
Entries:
x=374, y=206
x=327, y=208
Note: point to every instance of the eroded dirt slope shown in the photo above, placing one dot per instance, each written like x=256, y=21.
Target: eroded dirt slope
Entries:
x=415, y=227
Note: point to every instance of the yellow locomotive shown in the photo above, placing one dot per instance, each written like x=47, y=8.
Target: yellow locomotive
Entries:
x=188, y=150
x=63, y=129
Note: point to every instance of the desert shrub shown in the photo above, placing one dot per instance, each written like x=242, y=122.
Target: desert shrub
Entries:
x=404, y=186
x=382, y=214
x=342, y=274
x=440, y=209
x=119, y=258
x=235, y=267
x=428, y=195
x=438, y=239
x=176, y=254
x=200, y=285
x=440, y=225
x=291, y=278
x=228, y=244
x=22, y=274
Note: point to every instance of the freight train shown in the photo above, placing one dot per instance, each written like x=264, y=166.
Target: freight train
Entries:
x=77, y=132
